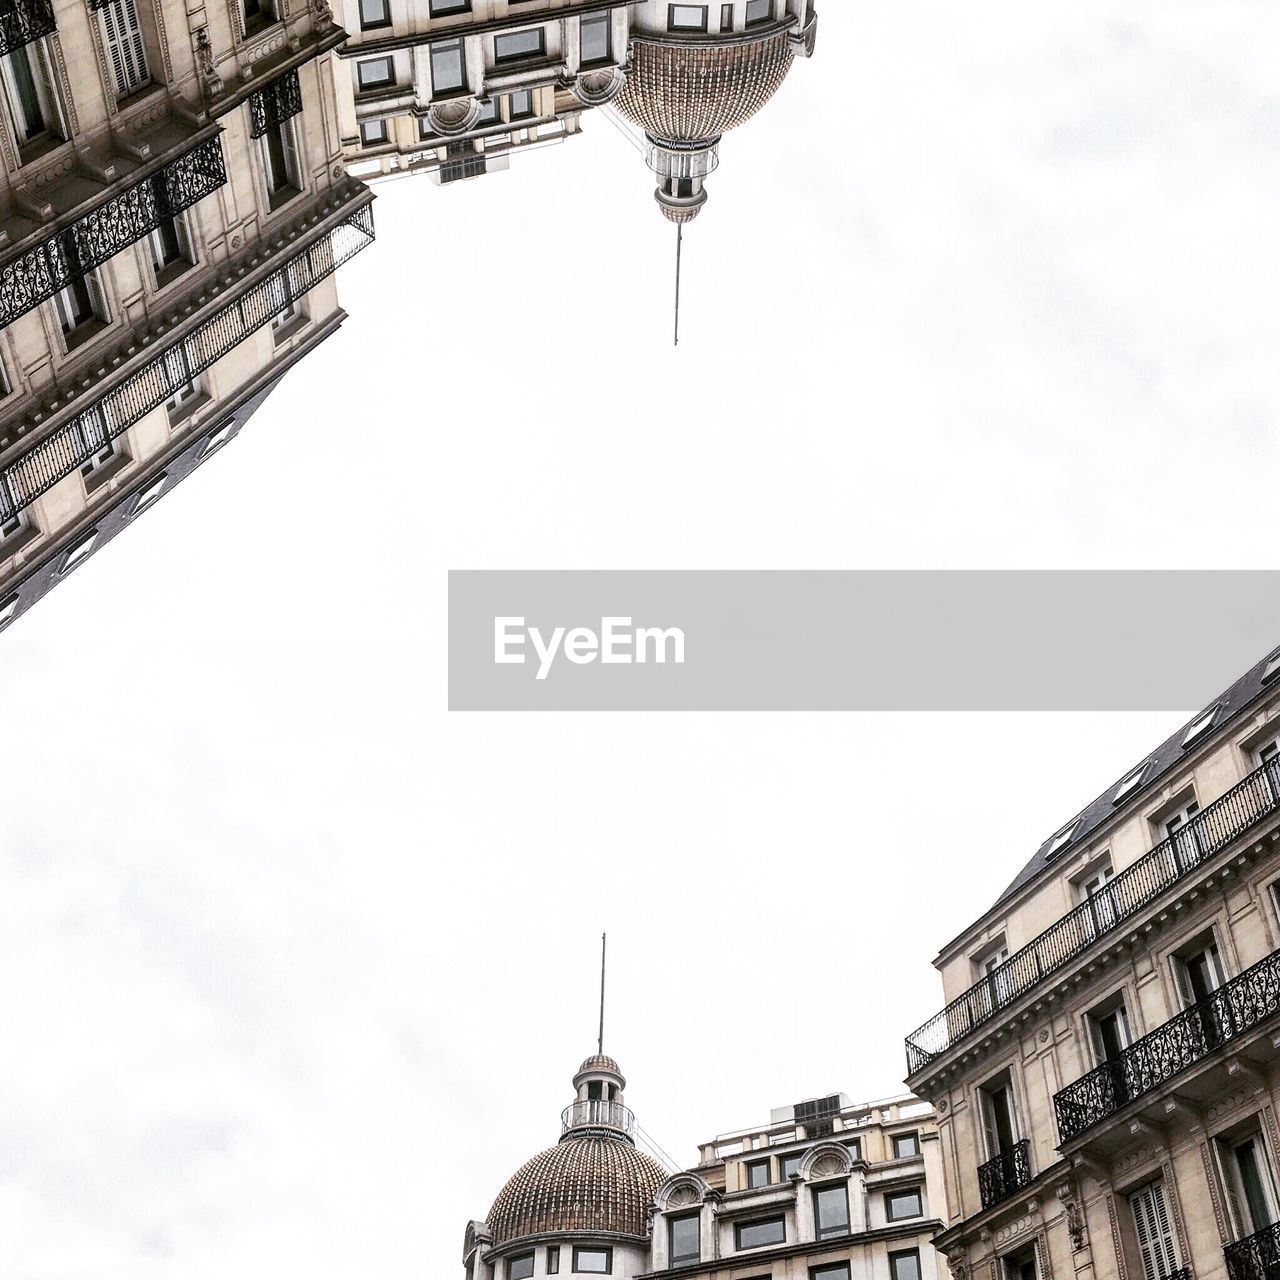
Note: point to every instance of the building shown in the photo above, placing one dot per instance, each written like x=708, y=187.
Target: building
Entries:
x=1104, y=1071
x=826, y=1191
x=453, y=87
x=172, y=209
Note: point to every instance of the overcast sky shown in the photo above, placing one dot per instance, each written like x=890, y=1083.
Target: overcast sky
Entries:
x=300, y=966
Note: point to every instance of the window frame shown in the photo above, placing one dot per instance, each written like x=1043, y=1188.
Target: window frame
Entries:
x=897, y=1256
x=913, y=1137
x=519, y=1260
x=901, y=1194
x=605, y=1250
x=778, y=1219
x=673, y=26
x=826, y=1189
x=751, y=1166
x=507, y=59
x=674, y=1260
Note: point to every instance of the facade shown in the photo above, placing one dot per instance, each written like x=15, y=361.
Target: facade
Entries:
x=173, y=207
x=453, y=87
x=1105, y=1070
x=826, y=1191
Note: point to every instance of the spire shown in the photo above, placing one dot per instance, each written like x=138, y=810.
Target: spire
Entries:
x=679, y=247
x=604, y=938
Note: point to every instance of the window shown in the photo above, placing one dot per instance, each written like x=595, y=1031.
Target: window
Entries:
x=79, y=550
x=999, y=1125
x=553, y=1260
x=6, y=387
x=790, y=1165
x=594, y=37
x=1269, y=750
x=442, y=8
x=1061, y=840
x=374, y=13
x=595, y=1262
x=1092, y=889
x=1251, y=1190
x=81, y=307
x=903, y=1204
x=8, y=607
x=831, y=1210
x=150, y=492
x=759, y=11
x=99, y=458
x=1130, y=784
x=514, y=45
x=1021, y=1265
x=1199, y=971
x=488, y=111
x=218, y=437
x=763, y=1231
x=279, y=147
x=1272, y=669
x=687, y=17
x=374, y=73
x=257, y=14
x=1183, y=835
x=520, y=1268
x=1200, y=726
x=905, y=1265
x=906, y=1144
x=757, y=1174
x=726, y=17
x=1156, y=1245
x=170, y=245
x=373, y=132
x=12, y=525
x=122, y=35
x=833, y=1271
x=288, y=315
x=854, y=1146
x=992, y=967
x=185, y=385
x=32, y=96
x=686, y=1239
x=447, y=70
x=521, y=104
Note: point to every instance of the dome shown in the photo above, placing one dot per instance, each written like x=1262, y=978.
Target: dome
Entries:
x=587, y=1182
x=688, y=92
x=597, y=1063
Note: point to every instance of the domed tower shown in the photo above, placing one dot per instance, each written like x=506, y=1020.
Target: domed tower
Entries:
x=697, y=71
x=581, y=1206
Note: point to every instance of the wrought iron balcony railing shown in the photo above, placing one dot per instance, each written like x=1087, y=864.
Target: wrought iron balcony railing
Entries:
x=1234, y=1009
x=61, y=453
x=597, y=1113
x=1256, y=1257
x=1215, y=827
x=36, y=275
x=1000, y=1177
x=22, y=21
x=1182, y=1273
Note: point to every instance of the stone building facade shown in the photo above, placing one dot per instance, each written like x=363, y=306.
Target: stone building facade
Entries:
x=173, y=206
x=828, y=1190
x=1104, y=1071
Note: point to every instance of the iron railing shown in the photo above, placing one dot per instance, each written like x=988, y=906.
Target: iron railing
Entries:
x=1234, y=1009
x=1182, y=1273
x=36, y=275
x=1209, y=832
x=274, y=103
x=1001, y=1176
x=597, y=1112
x=1256, y=1257
x=71, y=445
x=22, y=21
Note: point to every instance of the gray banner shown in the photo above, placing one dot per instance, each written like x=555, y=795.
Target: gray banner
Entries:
x=563, y=640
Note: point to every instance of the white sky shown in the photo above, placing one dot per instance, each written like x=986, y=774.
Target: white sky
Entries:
x=299, y=965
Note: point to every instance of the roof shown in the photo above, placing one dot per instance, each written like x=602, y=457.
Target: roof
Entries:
x=1157, y=766
x=597, y=1064
x=587, y=1182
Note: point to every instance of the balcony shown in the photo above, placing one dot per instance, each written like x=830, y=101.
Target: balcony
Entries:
x=999, y=1178
x=597, y=1113
x=1216, y=826
x=1235, y=1009
x=22, y=21
x=1256, y=1257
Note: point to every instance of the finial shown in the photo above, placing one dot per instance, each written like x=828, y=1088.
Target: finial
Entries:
x=604, y=938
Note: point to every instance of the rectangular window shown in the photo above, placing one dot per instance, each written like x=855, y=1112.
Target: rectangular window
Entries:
x=1183, y=835
x=831, y=1210
x=999, y=1126
x=593, y=1262
x=834, y=1271
x=1130, y=784
x=763, y=1231
x=905, y=1265
x=374, y=13
x=81, y=307
x=79, y=551
x=32, y=96
x=447, y=69
x=122, y=35
x=906, y=1144
x=686, y=1239
x=903, y=1204
x=12, y=525
x=1156, y=1245
x=6, y=387
x=594, y=37
x=687, y=17
x=520, y=1268
x=373, y=132
x=553, y=1260
x=150, y=492
x=1272, y=669
x=1199, y=727
x=8, y=607
x=257, y=14
x=1251, y=1191
x=759, y=11
x=279, y=149
x=170, y=245
x=443, y=8
x=514, y=45
x=375, y=73
x=790, y=1165
x=99, y=458
x=1093, y=890
x=855, y=1148
x=757, y=1173
x=726, y=17
x=1021, y=1265
x=521, y=104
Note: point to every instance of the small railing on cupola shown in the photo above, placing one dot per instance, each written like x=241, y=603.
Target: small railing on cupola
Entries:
x=597, y=1113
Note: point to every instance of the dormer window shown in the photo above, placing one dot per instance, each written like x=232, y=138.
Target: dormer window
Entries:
x=1130, y=784
x=1200, y=726
x=1272, y=669
x=1061, y=840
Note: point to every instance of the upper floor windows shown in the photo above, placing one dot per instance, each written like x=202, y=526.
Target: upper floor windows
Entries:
x=832, y=1271
x=448, y=67
x=759, y=11
x=1091, y=889
x=1272, y=669
x=831, y=1210
x=1198, y=968
x=443, y=8
x=789, y=1166
x=855, y=1148
x=11, y=526
x=374, y=14
x=1130, y=784
x=904, y=1265
x=81, y=308
x=1021, y=1265
x=170, y=246
x=32, y=97
x=594, y=36
x=374, y=73
x=903, y=1204
x=1108, y=1025
x=520, y=1268
x=1269, y=750
x=760, y=1232
x=1061, y=840
x=1177, y=829
x=726, y=17
x=125, y=48
x=257, y=14
x=279, y=151
x=685, y=1239
x=373, y=132
x=1249, y=1180
x=687, y=17
x=999, y=1122
x=553, y=1259
x=1200, y=726
x=757, y=1174
x=905, y=1144
x=594, y=1262
x=521, y=104
x=1157, y=1248
x=512, y=46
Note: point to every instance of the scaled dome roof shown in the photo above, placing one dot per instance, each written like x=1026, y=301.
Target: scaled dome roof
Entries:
x=587, y=1182
x=693, y=91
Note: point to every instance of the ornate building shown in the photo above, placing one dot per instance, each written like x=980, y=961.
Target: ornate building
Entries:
x=172, y=209
x=453, y=87
x=1105, y=1069
x=826, y=1191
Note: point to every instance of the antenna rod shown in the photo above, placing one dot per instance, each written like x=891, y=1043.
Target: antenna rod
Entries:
x=679, y=246
x=604, y=937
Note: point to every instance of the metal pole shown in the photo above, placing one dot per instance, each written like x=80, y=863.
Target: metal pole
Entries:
x=603, y=943
x=679, y=247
